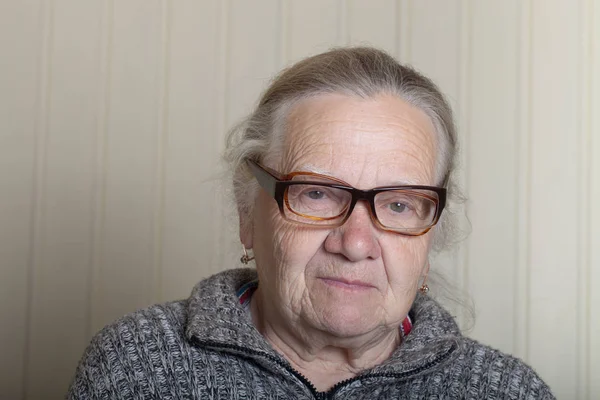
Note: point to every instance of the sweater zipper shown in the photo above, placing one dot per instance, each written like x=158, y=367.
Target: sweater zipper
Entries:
x=331, y=392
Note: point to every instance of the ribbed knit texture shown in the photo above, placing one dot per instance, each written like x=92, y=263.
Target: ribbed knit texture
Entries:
x=206, y=347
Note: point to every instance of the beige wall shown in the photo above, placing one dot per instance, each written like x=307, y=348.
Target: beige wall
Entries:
x=112, y=118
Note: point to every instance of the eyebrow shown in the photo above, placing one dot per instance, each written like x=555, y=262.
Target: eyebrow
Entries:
x=313, y=169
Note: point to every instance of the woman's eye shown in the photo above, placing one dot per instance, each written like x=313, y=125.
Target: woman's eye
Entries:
x=398, y=207
x=315, y=194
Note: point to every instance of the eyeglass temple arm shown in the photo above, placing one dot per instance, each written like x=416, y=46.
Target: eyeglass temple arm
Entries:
x=265, y=179
x=442, y=199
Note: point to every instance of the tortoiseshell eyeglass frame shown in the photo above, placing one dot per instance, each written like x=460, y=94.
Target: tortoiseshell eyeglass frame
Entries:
x=276, y=184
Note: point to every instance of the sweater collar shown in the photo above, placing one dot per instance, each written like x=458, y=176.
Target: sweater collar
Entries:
x=216, y=317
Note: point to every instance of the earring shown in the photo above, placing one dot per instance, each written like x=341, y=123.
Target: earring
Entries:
x=424, y=288
x=246, y=258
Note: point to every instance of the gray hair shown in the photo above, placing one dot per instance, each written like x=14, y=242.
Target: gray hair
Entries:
x=355, y=71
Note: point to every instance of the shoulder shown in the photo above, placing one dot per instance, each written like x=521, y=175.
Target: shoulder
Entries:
x=494, y=374
x=129, y=350
x=473, y=370
x=149, y=351
x=161, y=322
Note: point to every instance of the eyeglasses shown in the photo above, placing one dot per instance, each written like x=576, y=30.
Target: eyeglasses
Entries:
x=322, y=201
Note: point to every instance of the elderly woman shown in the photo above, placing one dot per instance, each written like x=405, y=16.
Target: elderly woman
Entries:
x=340, y=175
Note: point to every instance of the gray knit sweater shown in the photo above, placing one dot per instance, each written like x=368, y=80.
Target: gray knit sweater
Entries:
x=206, y=347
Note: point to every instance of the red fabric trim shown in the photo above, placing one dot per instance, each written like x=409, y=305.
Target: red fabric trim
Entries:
x=406, y=326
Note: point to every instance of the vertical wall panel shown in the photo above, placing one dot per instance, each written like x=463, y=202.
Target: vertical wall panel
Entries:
x=126, y=277
x=554, y=213
x=492, y=168
x=19, y=23
x=373, y=23
x=462, y=110
x=254, y=56
x=584, y=196
x=162, y=125
x=593, y=312
x=313, y=27
x=60, y=297
x=100, y=145
x=522, y=185
x=192, y=156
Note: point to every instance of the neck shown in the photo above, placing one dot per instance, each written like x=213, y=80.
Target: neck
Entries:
x=322, y=358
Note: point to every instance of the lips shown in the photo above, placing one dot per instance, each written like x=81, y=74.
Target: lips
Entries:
x=347, y=283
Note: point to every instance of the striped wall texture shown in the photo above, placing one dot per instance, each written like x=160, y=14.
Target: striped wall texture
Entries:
x=112, y=119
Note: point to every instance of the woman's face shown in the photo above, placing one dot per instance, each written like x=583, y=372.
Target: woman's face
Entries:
x=356, y=278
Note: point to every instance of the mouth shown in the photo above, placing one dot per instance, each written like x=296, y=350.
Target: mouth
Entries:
x=347, y=284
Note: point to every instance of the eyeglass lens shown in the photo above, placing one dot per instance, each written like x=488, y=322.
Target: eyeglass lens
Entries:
x=397, y=209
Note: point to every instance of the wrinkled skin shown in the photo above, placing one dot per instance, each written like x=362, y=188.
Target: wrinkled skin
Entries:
x=331, y=299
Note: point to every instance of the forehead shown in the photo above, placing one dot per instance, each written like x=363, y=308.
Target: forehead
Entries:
x=365, y=142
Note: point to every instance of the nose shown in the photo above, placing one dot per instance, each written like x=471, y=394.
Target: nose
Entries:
x=357, y=238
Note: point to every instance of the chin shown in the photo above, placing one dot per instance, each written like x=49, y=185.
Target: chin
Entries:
x=348, y=320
